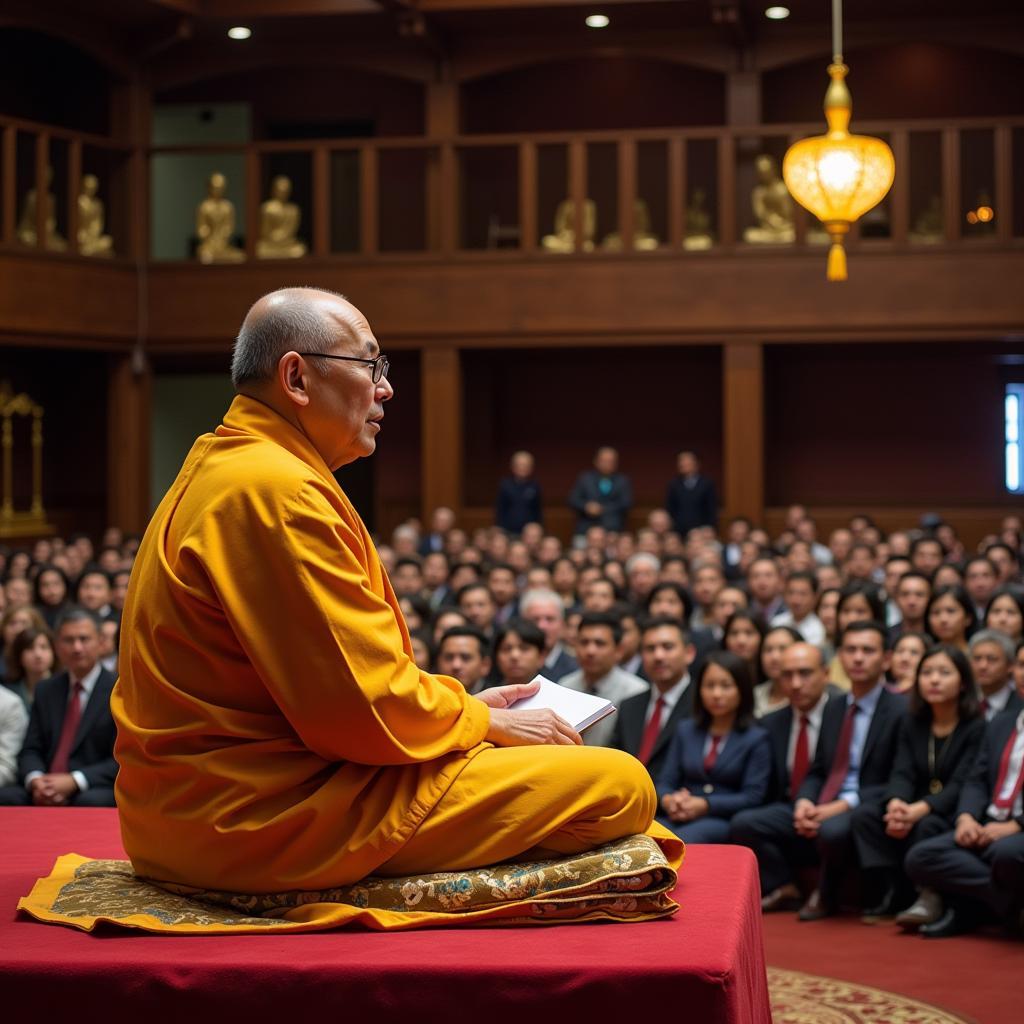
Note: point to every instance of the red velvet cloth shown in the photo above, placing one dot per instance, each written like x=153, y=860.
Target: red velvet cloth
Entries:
x=704, y=965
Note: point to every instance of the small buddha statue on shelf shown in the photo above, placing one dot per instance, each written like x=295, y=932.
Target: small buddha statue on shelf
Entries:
x=564, y=237
x=279, y=224
x=929, y=227
x=698, y=223
x=27, y=226
x=215, y=225
x=643, y=240
x=91, y=239
x=772, y=205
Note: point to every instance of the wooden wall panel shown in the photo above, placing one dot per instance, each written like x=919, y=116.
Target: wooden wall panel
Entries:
x=703, y=298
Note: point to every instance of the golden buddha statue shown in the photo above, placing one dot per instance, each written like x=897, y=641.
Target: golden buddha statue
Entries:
x=279, y=223
x=215, y=224
x=698, y=223
x=643, y=240
x=91, y=239
x=564, y=237
x=773, y=206
x=28, y=224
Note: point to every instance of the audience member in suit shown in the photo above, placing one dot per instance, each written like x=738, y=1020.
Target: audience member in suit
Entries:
x=13, y=723
x=68, y=754
x=992, y=658
x=94, y=593
x=719, y=762
x=475, y=602
x=913, y=592
x=464, y=653
x=518, y=652
x=708, y=579
x=519, y=496
x=673, y=601
x=646, y=723
x=501, y=581
x=597, y=648
x=691, y=500
x=771, y=695
x=743, y=636
x=979, y=867
x=602, y=496
x=801, y=596
x=545, y=610
x=937, y=745
x=793, y=735
x=52, y=592
x=1018, y=670
x=950, y=615
x=764, y=584
x=853, y=762
x=441, y=522
x=1005, y=612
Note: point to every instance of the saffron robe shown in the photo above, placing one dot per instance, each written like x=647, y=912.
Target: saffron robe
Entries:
x=274, y=732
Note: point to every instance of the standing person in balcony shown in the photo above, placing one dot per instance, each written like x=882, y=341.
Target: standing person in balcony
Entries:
x=519, y=496
x=602, y=496
x=691, y=499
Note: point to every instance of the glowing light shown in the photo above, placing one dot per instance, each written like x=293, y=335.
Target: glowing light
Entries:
x=985, y=214
x=597, y=21
x=239, y=32
x=777, y=13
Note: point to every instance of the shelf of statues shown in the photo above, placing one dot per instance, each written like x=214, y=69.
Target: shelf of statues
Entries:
x=28, y=230
x=91, y=219
x=643, y=239
x=699, y=237
x=215, y=225
x=772, y=205
x=279, y=224
x=563, y=238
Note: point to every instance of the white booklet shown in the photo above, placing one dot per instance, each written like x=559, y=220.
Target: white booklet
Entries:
x=580, y=710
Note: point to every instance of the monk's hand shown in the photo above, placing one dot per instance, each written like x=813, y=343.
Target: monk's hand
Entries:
x=506, y=696
x=529, y=728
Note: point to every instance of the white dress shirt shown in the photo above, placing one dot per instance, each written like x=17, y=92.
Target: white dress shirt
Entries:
x=997, y=702
x=1012, y=774
x=669, y=699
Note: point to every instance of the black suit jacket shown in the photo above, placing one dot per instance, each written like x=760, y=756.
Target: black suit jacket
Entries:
x=911, y=774
x=879, y=752
x=979, y=789
x=615, y=505
x=518, y=503
x=93, y=750
x=629, y=726
x=691, y=507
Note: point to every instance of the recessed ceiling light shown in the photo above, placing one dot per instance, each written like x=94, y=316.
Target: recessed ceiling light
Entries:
x=777, y=13
x=239, y=32
x=597, y=21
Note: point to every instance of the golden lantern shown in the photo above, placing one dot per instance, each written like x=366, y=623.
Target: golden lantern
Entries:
x=838, y=176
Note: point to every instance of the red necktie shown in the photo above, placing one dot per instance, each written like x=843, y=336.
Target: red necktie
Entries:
x=841, y=762
x=712, y=755
x=801, y=759
x=984, y=705
x=72, y=716
x=650, y=736
x=1004, y=768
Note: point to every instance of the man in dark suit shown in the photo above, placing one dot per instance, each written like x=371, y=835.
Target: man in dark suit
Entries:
x=980, y=866
x=793, y=732
x=441, y=522
x=691, y=500
x=519, y=497
x=68, y=755
x=602, y=496
x=852, y=762
x=647, y=722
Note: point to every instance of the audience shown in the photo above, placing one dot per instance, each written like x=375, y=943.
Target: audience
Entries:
x=630, y=616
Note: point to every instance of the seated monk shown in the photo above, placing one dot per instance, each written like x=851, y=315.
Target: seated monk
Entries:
x=274, y=731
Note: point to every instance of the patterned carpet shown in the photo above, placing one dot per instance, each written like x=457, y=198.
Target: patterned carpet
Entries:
x=799, y=998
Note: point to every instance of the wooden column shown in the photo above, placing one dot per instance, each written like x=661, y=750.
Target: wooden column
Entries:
x=743, y=428
x=442, y=110
x=441, y=434
x=129, y=401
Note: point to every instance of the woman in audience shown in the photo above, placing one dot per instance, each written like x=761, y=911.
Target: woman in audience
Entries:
x=1005, y=612
x=906, y=656
x=33, y=659
x=519, y=651
x=828, y=602
x=18, y=563
x=948, y=575
x=52, y=592
x=718, y=762
x=12, y=622
x=421, y=651
x=937, y=745
x=743, y=636
x=669, y=600
x=769, y=696
x=616, y=573
x=950, y=616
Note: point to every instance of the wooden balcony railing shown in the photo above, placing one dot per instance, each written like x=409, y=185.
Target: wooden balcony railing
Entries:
x=485, y=196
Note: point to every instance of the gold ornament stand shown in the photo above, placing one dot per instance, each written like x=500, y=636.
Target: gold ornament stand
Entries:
x=33, y=522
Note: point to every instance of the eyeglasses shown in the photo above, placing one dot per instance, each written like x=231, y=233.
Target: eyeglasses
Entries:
x=380, y=365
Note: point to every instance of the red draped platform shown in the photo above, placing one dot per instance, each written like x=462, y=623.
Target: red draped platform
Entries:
x=705, y=965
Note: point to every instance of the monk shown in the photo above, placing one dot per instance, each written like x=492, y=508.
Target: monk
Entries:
x=274, y=731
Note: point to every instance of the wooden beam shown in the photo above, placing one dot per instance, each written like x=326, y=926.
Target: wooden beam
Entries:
x=9, y=183
x=900, y=205
x=368, y=201
x=676, y=191
x=42, y=165
x=130, y=412
x=627, y=193
x=252, y=201
x=527, y=196
x=74, y=187
x=743, y=428
x=578, y=187
x=442, y=452
x=321, y=201
x=951, y=183
x=1004, y=183
x=726, y=191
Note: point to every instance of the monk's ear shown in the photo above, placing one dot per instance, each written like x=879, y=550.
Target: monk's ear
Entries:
x=293, y=378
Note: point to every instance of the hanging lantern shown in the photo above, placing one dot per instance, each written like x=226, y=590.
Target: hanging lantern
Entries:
x=838, y=176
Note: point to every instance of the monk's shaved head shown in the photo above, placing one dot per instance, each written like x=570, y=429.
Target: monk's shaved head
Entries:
x=300, y=319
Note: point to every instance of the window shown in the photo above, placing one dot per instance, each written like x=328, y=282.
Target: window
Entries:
x=1014, y=417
